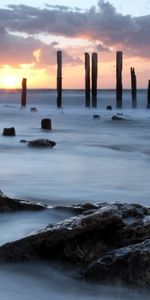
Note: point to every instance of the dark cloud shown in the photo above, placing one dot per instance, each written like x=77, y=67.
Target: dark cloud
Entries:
x=101, y=48
x=103, y=25
x=16, y=50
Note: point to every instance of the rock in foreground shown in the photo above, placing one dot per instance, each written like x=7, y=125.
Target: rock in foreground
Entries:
x=42, y=143
x=109, y=242
x=130, y=265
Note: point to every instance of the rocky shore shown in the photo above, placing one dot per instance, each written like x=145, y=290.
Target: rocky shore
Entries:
x=9, y=205
x=108, y=242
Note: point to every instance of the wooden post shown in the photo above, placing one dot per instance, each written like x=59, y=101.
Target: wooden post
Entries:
x=87, y=80
x=119, y=57
x=148, y=95
x=94, y=79
x=59, y=79
x=24, y=92
x=133, y=88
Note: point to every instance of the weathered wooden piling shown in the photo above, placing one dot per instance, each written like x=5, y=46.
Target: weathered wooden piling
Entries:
x=148, y=95
x=24, y=92
x=94, y=79
x=119, y=59
x=59, y=79
x=87, y=79
x=133, y=88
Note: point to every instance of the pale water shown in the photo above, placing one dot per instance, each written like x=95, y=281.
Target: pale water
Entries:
x=94, y=160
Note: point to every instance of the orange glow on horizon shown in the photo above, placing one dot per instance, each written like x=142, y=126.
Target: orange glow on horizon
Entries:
x=9, y=82
x=44, y=76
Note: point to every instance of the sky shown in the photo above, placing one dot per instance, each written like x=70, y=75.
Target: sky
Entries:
x=32, y=31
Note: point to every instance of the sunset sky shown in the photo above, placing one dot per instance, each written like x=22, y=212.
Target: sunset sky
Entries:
x=32, y=31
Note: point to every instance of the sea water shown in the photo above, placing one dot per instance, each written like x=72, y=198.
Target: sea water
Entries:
x=94, y=160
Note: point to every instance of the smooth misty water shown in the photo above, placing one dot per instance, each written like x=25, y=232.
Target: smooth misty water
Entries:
x=94, y=160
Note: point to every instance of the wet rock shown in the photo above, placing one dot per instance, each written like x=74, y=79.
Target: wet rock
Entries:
x=109, y=107
x=41, y=143
x=33, y=109
x=7, y=204
x=130, y=265
x=96, y=116
x=76, y=240
x=23, y=141
x=116, y=118
x=46, y=124
x=108, y=241
x=9, y=131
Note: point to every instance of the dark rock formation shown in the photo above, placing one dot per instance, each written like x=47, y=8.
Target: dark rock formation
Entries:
x=42, y=143
x=7, y=204
x=33, y=109
x=9, y=131
x=129, y=265
x=46, y=124
x=109, y=107
x=96, y=116
x=116, y=118
x=23, y=141
x=111, y=242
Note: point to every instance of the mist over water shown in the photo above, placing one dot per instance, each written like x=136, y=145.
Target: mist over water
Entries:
x=94, y=160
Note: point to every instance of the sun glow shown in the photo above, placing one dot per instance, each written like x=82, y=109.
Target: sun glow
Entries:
x=9, y=82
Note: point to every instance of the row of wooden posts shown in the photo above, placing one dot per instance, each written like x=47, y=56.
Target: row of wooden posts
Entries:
x=91, y=82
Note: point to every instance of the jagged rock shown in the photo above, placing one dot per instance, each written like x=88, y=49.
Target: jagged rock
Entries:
x=130, y=265
x=109, y=107
x=9, y=131
x=99, y=235
x=96, y=116
x=77, y=239
x=46, y=124
x=7, y=204
x=116, y=118
x=33, y=109
x=41, y=143
x=23, y=141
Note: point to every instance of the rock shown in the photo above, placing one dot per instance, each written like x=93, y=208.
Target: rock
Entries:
x=46, y=124
x=76, y=240
x=96, y=116
x=108, y=241
x=129, y=265
x=7, y=204
x=9, y=131
x=109, y=107
x=41, y=143
x=33, y=109
x=23, y=141
x=89, y=206
x=116, y=118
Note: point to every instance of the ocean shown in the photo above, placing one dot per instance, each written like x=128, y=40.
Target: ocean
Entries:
x=95, y=160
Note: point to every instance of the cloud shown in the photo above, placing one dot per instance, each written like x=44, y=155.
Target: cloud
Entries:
x=103, y=26
x=16, y=50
